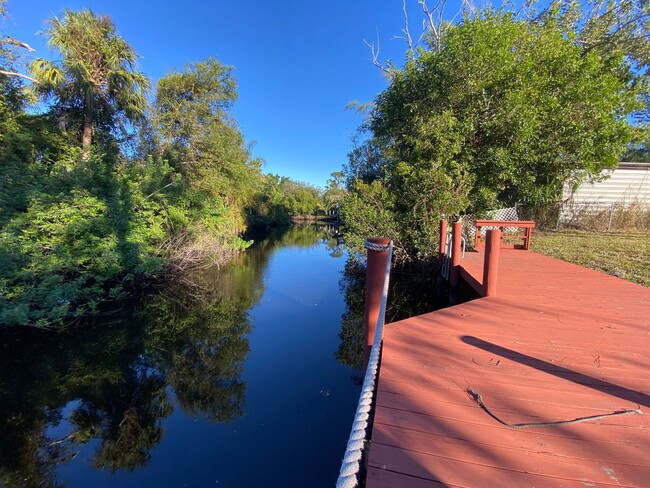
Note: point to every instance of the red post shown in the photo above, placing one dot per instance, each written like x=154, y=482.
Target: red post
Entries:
x=454, y=272
x=491, y=261
x=443, y=239
x=442, y=248
x=375, y=273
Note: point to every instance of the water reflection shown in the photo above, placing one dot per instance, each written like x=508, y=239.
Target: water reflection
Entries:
x=111, y=394
x=198, y=340
x=102, y=392
x=411, y=293
x=125, y=415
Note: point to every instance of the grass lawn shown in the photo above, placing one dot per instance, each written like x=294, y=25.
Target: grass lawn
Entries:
x=626, y=255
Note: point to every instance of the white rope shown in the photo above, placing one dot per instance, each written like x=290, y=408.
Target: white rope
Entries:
x=377, y=247
x=348, y=477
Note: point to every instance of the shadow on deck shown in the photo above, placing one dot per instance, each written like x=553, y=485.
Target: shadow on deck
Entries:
x=556, y=342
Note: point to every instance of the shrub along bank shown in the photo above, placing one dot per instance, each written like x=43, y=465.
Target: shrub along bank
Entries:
x=110, y=185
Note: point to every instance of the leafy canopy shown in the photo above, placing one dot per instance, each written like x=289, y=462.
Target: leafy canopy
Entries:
x=198, y=134
x=95, y=82
x=504, y=111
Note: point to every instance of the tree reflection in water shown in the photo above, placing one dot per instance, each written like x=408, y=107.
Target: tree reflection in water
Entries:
x=200, y=344
x=110, y=382
x=100, y=374
x=411, y=293
x=126, y=415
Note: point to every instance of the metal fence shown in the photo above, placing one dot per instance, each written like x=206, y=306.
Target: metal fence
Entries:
x=594, y=216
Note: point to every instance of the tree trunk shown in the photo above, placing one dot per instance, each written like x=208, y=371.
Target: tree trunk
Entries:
x=87, y=134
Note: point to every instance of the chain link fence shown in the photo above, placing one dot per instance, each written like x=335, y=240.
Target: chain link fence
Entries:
x=593, y=216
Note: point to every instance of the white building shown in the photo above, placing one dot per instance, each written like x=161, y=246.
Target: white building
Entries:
x=628, y=185
x=627, y=188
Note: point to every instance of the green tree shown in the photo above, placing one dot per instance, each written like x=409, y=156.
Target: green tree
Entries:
x=334, y=191
x=95, y=82
x=280, y=199
x=503, y=111
x=301, y=199
x=200, y=138
x=79, y=232
x=268, y=207
x=639, y=152
x=188, y=101
x=607, y=27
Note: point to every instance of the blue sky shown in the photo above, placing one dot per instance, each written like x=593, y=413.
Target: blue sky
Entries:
x=298, y=63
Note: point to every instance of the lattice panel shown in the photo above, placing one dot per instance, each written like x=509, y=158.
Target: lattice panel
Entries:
x=469, y=229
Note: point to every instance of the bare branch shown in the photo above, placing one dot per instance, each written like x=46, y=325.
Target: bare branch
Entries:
x=16, y=42
x=159, y=189
x=467, y=5
x=11, y=73
x=62, y=440
x=525, y=11
x=432, y=23
x=553, y=4
x=434, y=20
x=375, y=57
x=406, y=30
x=429, y=15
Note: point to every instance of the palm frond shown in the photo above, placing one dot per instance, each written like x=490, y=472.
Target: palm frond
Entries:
x=97, y=70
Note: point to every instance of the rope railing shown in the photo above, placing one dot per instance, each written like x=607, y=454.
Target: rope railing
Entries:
x=351, y=465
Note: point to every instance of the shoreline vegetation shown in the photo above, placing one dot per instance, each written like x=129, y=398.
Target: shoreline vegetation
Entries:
x=504, y=106
x=108, y=183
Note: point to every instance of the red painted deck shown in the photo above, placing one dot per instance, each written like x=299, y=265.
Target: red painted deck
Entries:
x=557, y=342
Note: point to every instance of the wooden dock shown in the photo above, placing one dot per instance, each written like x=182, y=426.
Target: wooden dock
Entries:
x=557, y=342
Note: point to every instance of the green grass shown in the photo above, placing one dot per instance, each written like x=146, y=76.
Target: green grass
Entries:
x=626, y=255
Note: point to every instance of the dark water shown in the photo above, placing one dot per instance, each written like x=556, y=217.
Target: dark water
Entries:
x=230, y=382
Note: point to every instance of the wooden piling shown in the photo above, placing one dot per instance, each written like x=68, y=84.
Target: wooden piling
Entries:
x=438, y=279
x=491, y=261
x=375, y=274
x=454, y=271
x=443, y=240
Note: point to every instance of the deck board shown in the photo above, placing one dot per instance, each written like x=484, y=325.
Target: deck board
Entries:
x=557, y=342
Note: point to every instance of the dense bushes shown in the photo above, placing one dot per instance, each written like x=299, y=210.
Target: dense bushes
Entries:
x=102, y=191
x=498, y=110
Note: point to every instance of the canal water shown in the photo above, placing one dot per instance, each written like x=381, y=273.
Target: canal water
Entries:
x=227, y=380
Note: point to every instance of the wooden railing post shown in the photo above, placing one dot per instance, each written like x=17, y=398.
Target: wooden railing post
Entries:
x=491, y=261
x=529, y=233
x=439, y=279
x=477, y=235
x=454, y=271
x=442, y=247
x=375, y=273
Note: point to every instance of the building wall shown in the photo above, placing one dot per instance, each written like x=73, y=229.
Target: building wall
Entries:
x=629, y=184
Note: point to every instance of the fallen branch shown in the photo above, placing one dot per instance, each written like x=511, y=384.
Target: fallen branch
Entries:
x=476, y=396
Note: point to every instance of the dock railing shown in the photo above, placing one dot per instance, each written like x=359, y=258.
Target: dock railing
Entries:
x=380, y=251
x=494, y=231
x=503, y=226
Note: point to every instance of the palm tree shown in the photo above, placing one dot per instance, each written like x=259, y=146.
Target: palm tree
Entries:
x=96, y=75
